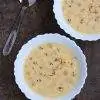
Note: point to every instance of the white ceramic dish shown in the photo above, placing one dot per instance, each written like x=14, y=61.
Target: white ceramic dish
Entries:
x=48, y=38
x=57, y=8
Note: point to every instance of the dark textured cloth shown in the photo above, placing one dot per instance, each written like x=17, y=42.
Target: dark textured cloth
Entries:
x=39, y=19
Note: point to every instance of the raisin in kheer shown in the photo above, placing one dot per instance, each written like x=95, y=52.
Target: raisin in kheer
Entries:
x=51, y=69
x=83, y=15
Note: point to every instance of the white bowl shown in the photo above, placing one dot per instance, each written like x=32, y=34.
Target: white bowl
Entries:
x=48, y=38
x=58, y=11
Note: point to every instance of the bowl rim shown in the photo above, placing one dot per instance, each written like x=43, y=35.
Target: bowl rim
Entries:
x=57, y=9
x=25, y=50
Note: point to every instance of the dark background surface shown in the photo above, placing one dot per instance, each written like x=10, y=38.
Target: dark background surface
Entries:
x=39, y=19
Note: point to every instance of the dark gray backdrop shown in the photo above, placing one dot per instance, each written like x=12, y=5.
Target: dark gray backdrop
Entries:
x=40, y=19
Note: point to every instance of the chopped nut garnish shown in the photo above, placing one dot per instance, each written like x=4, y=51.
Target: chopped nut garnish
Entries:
x=46, y=54
x=53, y=73
x=69, y=20
x=35, y=62
x=33, y=84
x=30, y=58
x=40, y=67
x=82, y=21
x=41, y=48
x=73, y=73
x=51, y=63
x=70, y=5
x=97, y=18
x=39, y=80
x=56, y=59
x=71, y=63
x=60, y=89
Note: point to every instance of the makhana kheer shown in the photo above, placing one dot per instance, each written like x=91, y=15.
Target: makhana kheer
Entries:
x=82, y=15
x=51, y=69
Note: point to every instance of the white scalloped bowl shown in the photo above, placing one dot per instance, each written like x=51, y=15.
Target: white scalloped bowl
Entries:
x=58, y=11
x=48, y=38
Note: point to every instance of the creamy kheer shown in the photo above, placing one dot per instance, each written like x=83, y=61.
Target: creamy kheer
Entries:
x=83, y=15
x=51, y=69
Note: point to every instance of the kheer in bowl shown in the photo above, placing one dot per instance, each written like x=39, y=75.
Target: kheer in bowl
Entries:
x=79, y=18
x=50, y=66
